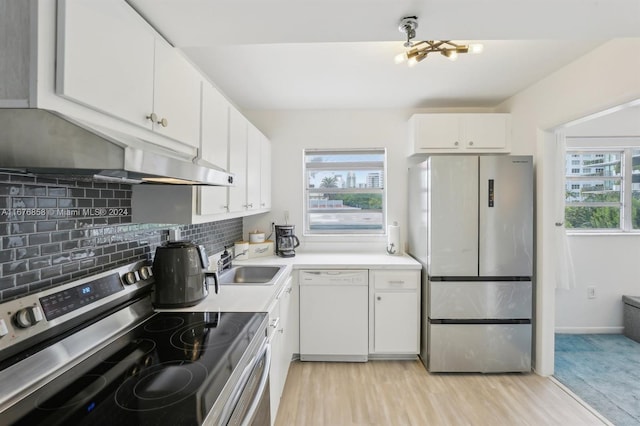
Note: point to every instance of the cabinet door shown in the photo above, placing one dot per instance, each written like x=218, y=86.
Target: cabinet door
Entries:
x=105, y=69
x=396, y=322
x=214, y=147
x=265, y=173
x=238, y=160
x=253, y=167
x=275, y=371
x=435, y=132
x=176, y=95
x=485, y=131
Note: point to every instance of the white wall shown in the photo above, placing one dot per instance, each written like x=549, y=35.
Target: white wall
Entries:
x=602, y=79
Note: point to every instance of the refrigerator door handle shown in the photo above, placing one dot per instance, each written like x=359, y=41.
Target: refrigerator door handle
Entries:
x=491, y=193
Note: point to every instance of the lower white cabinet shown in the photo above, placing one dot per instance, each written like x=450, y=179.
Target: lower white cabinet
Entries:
x=394, y=312
x=279, y=335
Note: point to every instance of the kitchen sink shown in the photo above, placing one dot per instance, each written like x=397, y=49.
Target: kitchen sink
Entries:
x=250, y=275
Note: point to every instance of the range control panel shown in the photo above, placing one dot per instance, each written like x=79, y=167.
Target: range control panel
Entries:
x=28, y=316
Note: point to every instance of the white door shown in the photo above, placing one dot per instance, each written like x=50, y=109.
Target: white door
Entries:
x=396, y=322
x=238, y=160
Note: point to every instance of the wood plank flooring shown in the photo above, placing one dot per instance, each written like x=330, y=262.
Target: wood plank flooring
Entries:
x=404, y=393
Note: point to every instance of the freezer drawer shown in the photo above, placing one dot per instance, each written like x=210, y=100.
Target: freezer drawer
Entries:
x=480, y=299
x=484, y=348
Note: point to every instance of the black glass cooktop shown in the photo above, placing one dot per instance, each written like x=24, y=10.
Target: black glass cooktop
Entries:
x=167, y=371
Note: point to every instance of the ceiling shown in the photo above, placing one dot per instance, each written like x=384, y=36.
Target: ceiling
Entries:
x=338, y=54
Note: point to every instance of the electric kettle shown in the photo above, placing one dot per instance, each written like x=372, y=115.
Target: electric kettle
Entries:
x=181, y=276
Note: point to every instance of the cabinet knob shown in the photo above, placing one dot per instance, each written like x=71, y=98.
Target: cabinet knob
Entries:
x=470, y=143
x=152, y=117
x=456, y=143
x=379, y=298
x=164, y=122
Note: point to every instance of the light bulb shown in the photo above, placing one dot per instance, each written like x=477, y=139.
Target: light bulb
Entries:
x=412, y=61
x=476, y=48
x=400, y=58
x=451, y=54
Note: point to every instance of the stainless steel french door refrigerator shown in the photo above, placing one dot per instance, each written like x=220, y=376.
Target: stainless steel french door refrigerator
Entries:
x=471, y=226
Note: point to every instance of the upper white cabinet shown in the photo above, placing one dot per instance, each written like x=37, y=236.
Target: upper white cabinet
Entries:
x=214, y=148
x=254, y=142
x=106, y=69
x=129, y=73
x=459, y=133
x=265, y=172
x=176, y=95
x=238, y=136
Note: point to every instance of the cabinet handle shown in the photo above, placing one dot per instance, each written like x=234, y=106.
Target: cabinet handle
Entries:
x=225, y=207
x=275, y=322
x=289, y=290
x=398, y=282
x=153, y=117
x=250, y=205
x=379, y=298
x=470, y=143
x=456, y=143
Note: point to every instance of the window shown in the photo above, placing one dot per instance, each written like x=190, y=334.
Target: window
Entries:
x=605, y=195
x=344, y=191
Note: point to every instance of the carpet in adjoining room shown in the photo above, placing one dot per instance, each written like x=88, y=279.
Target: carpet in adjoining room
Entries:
x=603, y=370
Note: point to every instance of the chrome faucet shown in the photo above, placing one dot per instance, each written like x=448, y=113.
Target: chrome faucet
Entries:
x=226, y=259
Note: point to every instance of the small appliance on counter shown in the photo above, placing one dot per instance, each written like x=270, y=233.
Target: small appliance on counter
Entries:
x=286, y=241
x=181, y=276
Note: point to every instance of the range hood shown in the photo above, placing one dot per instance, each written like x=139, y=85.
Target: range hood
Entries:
x=43, y=143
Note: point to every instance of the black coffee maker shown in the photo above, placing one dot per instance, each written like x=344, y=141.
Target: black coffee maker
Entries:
x=286, y=241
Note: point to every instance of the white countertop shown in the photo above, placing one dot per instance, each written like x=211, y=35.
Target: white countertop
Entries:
x=338, y=260
x=257, y=298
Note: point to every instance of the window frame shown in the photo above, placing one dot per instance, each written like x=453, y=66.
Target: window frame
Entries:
x=598, y=146
x=346, y=166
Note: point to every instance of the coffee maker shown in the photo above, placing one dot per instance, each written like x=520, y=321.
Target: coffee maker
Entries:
x=286, y=241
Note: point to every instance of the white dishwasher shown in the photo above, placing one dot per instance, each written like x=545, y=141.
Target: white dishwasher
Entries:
x=334, y=315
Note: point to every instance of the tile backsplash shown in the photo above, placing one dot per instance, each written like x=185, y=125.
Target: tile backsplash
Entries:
x=56, y=230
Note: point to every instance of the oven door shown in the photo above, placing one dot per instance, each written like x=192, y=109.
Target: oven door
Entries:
x=250, y=399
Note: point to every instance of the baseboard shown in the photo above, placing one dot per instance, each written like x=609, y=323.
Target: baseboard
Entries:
x=589, y=330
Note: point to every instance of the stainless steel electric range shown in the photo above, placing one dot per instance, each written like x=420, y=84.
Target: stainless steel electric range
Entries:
x=94, y=352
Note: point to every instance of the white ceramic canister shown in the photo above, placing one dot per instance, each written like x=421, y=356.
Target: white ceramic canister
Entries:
x=256, y=237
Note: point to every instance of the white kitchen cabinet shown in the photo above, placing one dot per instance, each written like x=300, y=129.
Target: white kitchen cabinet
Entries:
x=265, y=172
x=394, y=318
x=246, y=161
x=238, y=134
x=459, y=133
x=279, y=324
x=131, y=73
x=214, y=148
x=111, y=71
x=176, y=95
x=254, y=142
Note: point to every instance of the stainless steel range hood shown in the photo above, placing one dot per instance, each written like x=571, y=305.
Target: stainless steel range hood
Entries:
x=40, y=142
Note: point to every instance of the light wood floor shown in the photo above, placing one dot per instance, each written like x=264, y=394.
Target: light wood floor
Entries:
x=404, y=393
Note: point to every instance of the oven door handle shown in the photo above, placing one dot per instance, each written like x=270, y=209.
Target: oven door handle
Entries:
x=242, y=381
x=266, y=351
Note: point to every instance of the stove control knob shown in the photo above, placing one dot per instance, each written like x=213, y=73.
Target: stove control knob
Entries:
x=28, y=316
x=145, y=272
x=130, y=278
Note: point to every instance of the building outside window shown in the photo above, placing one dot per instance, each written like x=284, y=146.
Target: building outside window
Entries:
x=344, y=191
x=605, y=194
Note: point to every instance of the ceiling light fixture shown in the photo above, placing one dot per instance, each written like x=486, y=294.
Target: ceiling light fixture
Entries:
x=419, y=50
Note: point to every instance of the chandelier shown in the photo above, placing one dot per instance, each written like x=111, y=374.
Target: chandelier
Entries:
x=419, y=50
